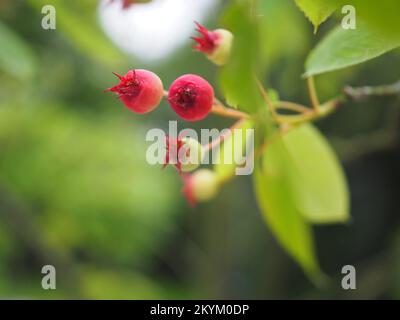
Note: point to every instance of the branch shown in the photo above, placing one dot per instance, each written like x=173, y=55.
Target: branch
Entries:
x=221, y=110
x=363, y=93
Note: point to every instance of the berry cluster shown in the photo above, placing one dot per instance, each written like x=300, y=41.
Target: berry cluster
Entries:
x=192, y=98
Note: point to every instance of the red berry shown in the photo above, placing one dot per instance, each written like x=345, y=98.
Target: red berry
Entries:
x=140, y=90
x=191, y=97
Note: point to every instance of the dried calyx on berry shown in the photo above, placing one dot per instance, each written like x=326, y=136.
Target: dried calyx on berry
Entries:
x=191, y=97
x=127, y=3
x=140, y=90
x=201, y=186
x=185, y=153
x=216, y=44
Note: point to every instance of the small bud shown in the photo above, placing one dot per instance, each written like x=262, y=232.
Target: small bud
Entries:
x=190, y=154
x=140, y=90
x=201, y=186
x=186, y=153
x=216, y=44
x=191, y=97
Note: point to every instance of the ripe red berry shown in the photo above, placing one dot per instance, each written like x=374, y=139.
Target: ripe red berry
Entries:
x=140, y=90
x=191, y=97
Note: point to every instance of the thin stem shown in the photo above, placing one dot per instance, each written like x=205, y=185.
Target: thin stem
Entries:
x=268, y=100
x=216, y=142
x=311, y=115
x=362, y=93
x=313, y=93
x=296, y=119
x=219, y=102
x=220, y=109
x=286, y=105
x=289, y=122
x=330, y=106
x=291, y=106
x=265, y=95
x=223, y=111
x=279, y=133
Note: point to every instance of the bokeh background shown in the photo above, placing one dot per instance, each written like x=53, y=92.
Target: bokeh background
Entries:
x=76, y=191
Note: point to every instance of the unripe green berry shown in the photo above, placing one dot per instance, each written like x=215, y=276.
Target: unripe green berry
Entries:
x=190, y=154
x=216, y=44
x=222, y=51
x=204, y=185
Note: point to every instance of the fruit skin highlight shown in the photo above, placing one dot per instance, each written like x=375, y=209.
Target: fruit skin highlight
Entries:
x=140, y=90
x=191, y=97
x=216, y=44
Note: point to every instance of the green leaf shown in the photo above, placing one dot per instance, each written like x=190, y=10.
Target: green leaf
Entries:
x=317, y=11
x=228, y=149
x=344, y=48
x=382, y=15
x=237, y=77
x=300, y=182
x=16, y=57
x=275, y=198
x=317, y=179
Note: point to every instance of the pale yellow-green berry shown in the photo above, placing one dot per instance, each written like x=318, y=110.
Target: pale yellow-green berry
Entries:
x=222, y=51
x=190, y=154
x=204, y=183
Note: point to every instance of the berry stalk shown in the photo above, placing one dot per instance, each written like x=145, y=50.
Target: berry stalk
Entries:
x=218, y=108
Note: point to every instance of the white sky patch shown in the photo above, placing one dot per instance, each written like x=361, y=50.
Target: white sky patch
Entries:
x=153, y=31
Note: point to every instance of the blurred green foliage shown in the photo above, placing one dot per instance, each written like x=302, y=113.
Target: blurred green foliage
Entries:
x=82, y=29
x=237, y=77
x=89, y=181
x=16, y=57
